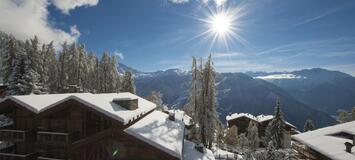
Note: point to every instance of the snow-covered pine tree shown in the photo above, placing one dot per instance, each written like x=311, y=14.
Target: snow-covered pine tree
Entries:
x=63, y=68
x=104, y=73
x=92, y=83
x=114, y=81
x=308, y=126
x=253, y=136
x=9, y=59
x=50, y=68
x=193, y=101
x=82, y=66
x=128, y=83
x=34, y=65
x=275, y=130
x=208, y=114
x=156, y=97
x=231, y=138
x=353, y=113
x=18, y=84
x=243, y=142
x=271, y=151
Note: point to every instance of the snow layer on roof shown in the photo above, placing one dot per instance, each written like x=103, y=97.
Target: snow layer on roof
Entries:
x=100, y=102
x=157, y=130
x=35, y=103
x=259, y=118
x=323, y=141
x=190, y=153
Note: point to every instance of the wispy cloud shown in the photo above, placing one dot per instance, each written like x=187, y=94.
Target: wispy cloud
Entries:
x=321, y=15
x=119, y=54
x=215, y=2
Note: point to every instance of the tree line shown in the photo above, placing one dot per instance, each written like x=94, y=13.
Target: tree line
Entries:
x=29, y=67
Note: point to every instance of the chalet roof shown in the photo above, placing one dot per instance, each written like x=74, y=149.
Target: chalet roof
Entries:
x=325, y=142
x=260, y=118
x=99, y=102
x=157, y=130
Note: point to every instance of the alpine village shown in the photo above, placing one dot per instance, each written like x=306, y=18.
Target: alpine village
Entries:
x=65, y=101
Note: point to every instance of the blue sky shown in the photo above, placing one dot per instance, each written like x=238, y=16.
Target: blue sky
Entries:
x=158, y=34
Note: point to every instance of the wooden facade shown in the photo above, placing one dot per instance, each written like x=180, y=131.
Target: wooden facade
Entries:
x=70, y=130
x=242, y=124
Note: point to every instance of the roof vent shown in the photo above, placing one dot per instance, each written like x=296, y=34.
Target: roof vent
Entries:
x=172, y=116
x=199, y=147
x=348, y=146
x=128, y=103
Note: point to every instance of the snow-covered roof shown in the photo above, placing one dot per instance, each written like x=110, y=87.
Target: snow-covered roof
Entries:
x=325, y=142
x=190, y=153
x=100, y=102
x=259, y=118
x=157, y=130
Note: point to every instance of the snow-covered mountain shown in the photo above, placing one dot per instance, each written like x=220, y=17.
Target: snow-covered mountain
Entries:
x=318, y=88
x=237, y=92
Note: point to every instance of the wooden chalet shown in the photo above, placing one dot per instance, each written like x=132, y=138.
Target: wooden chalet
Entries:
x=87, y=126
x=329, y=143
x=242, y=120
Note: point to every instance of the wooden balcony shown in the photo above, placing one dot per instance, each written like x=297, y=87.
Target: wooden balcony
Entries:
x=53, y=138
x=13, y=135
x=13, y=156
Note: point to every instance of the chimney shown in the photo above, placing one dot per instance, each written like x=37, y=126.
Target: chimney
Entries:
x=348, y=146
x=172, y=116
x=199, y=147
x=128, y=103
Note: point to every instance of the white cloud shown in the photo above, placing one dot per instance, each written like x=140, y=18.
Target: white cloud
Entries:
x=27, y=18
x=66, y=5
x=178, y=1
x=216, y=2
x=119, y=55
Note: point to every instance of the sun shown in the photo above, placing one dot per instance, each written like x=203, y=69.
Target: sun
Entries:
x=221, y=24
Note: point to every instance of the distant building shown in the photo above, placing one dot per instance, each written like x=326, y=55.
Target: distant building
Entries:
x=329, y=143
x=90, y=126
x=242, y=120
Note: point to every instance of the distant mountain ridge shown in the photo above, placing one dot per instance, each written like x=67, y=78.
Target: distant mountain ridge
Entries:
x=310, y=93
x=319, y=88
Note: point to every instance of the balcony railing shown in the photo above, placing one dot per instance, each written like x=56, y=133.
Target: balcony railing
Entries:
x=53, y=138
x=14, y=156
x=13, y=135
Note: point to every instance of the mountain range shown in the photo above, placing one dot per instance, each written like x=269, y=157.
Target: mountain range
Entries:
x=305, y=94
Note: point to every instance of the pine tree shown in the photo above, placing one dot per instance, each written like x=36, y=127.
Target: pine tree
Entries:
x=231, y=138
x=50, y=68
x=353, y=114
x=275, y=130
x=9, y=59
x=253, y=136
x=193, y=100
x=114, y=81
x=308, y=126
x=128, y=83
x=271, y=151
x=208, y=114
x=344, y=116
x=156, y=97
x=18, y=84
x=243, y=142
x=34, y=64
x=63, y=68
